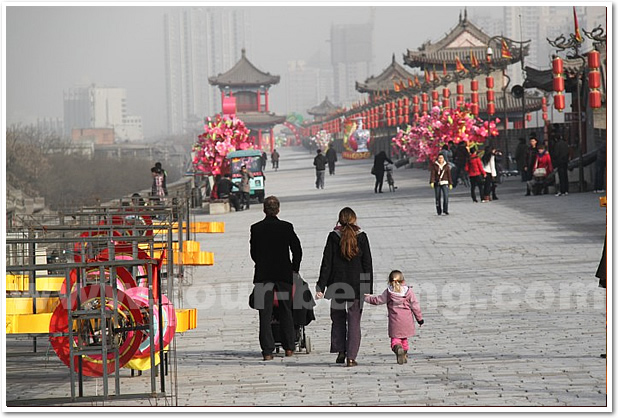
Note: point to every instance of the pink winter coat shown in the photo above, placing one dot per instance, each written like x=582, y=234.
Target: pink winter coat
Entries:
x=400, y=310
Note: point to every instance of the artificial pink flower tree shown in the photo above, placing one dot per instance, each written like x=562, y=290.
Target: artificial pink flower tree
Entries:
x=221, y=136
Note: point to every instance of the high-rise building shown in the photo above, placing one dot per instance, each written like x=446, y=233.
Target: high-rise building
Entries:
x=538, y=23
x=352, y=58
x=199, y=43
x=101, y=107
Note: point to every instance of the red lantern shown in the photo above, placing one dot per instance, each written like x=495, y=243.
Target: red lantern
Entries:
x=490, y=95
x=445, y=103
x=559, y=102
x=594, y=60
x=474, y=97
x=446, y=93
x=491, y=108
x=594, y=79
x=594, y=98
x=475, y=109
x=557, y=65
x=435, y=95
x=559, y=84
x=460, y=89
x=489, y=82
x=415, y=100
x=474, y=85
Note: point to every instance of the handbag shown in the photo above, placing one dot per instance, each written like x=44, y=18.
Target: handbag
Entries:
x=539, y=172
x=373, y=170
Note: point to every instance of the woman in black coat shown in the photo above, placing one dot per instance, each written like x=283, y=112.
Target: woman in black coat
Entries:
x=378, y=170
x=346, y=274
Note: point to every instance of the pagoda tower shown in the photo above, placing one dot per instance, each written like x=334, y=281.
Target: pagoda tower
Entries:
x=249, y=87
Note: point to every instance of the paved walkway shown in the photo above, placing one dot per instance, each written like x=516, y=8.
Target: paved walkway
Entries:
x=513, y=314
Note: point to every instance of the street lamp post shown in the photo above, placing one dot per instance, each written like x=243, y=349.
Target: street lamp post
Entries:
x=503, y=64
x=573, y=45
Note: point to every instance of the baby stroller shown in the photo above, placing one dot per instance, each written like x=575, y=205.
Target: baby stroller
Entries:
x=302, y=312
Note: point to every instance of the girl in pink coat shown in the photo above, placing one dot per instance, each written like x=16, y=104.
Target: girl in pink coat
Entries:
x=403, y=307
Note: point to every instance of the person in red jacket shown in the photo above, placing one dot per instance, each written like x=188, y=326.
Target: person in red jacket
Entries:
x=541, y=171
x=474, y=168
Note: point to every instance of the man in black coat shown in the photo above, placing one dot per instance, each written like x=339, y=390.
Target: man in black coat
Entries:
x=224, y=189
x=320, y=168
x=378, y=170
x=331, y=157
x=271, y=242
x=561, y=161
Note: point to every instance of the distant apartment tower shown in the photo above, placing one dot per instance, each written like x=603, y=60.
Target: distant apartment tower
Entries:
x=538, y=23
x=101, y=107
x=306, y=86
x=351, y=57
x=199, y=42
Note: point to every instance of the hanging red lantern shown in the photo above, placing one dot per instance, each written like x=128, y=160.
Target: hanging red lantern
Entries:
x=594, y=79
x=544, y=107
x=557, y=65
x=489, y=82
x=474, y=97
x=474, y=85
x=594, y=60
x=460, y=89
x=425, y=98
x=559, y=102
x=594, y=98
x=559, y=83
x=491, y=108
x=491, y=95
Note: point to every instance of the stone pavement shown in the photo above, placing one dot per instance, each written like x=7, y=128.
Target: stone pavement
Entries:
x=513, y=315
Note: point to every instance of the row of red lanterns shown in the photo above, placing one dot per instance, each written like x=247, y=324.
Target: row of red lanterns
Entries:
x=594, y=81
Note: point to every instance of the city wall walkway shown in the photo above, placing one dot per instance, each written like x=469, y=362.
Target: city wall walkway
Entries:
x=513, y=315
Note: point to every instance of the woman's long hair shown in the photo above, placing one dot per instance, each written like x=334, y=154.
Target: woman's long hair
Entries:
x=349, y=243
x=487, y=155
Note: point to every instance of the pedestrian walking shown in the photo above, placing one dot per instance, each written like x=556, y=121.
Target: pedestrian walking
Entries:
x=320, y=169
x=531, y=154
x=440, y=180
x=491, y=174
x=561, y=158
x=461, y=157
x=346, y=274
x=157, y=192
x=403, y=307
x=331, y=157
x=474, y=168
x=245, y=187
x=378, y=170
x=263, y=160
x=272, y=240
x=274, y=158
x=164, y=173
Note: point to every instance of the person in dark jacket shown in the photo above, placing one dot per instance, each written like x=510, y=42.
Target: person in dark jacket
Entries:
x=224, y=189
x=346, y=275
x=561, y=158
x=460, y=158
x=378, y=170
x=271, y=242
x=331, y=157
x=320, y=169
x=531, y=154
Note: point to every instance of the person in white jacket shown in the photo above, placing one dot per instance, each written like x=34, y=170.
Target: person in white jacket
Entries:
x=489, y=165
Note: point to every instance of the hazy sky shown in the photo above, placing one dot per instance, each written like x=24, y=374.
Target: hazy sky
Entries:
x=50, y=49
